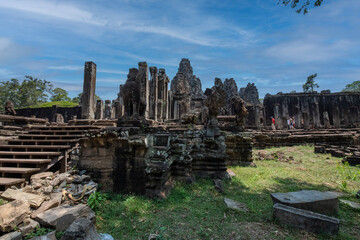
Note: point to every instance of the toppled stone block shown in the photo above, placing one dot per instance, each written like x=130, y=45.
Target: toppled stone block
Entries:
x=29, y=226
x=353, y=205
x=303, y=219
x=53, y=202
x=49, y=236
x=33, y=199
x=81, y=229
x=315, y=201
x=12, y=214
x=235, y=205
x=56, y=216
x=12, y=236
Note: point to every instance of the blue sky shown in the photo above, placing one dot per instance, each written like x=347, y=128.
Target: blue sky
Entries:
x=249, y=40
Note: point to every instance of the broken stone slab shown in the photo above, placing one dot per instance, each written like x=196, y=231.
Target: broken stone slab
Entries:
x=81, y=229
x=42, y=175
x=235, y=205
x=52, y=216
x=12, y=214
x=304, y=219
x=54, y=201
x=33, y=199
x=12, y=236
x=29, y=226
x=231, y=173
x=351, y=204
x=49, y=236
x=312, y=200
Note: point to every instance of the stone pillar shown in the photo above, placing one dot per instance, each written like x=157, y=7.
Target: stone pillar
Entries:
x=153, y=99
x=278, y=117
x=326, y=119
x=169, y=102
x=99, y=109
x=143, y=76
x=166, y=101
x=316, y=115
x=297, y=117
x=257, y=117
x=336, y=117
x=107, y=111
x=306, y=120
x=88, y=94
x=114, y=108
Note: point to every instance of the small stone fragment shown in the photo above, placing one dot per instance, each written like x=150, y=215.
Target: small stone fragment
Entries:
x=48, y=189
x=28, y=227
x=235, y=205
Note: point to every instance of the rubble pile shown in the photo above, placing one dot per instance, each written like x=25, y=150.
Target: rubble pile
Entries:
x=351, y=154
x=52, y=201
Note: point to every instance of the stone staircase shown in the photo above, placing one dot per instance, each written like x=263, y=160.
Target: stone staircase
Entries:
x=37, y=149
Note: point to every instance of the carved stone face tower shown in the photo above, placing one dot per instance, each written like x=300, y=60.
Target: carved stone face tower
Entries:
x=88, y=95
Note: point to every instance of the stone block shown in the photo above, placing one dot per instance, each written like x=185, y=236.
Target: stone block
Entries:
x=12, y=214
x=81, y=229
x=33, y=199
x=303, y=219
x=315, y=201
x=12, y=236
x=52, y=216
x=29, y=226
x=53, y=202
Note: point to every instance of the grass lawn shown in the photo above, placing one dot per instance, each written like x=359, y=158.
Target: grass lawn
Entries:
x=197, y=211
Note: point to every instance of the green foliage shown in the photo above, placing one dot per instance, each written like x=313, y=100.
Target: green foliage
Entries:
x=31, y=91
x=346, y=172
x=78, y=98
x=58, y=235
x=59, y=94
x=310, y=84
x=95, y=200
x=352, y=87
x=38, y=232
x=2, y=201
x=59, y=104
x=301, y=5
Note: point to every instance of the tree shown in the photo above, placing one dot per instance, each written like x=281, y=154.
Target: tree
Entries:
x=78, y=98
x=352, y=87
x=301, y=5
x=59, y=94
x=31, y=92
x=310, y=84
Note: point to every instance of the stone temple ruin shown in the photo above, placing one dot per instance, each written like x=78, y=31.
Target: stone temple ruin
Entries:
x=159, y=130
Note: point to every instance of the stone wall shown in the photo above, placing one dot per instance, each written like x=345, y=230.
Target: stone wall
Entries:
x=238, y=150
x=313, y=110
x=49, y=112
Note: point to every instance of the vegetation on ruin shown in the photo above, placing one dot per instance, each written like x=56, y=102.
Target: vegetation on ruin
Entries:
x=57, y=103
x=197, y=211
x=301, y=6
x=352, y=87
x=310, y=84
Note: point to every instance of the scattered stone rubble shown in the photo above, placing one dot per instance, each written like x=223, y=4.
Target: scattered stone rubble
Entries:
x=350, y=154
x=56, y=201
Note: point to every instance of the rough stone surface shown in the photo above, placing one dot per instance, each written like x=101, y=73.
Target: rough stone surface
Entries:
x=88, y=94
x=310, y=221
x=52, y=216
x=29, y=226
x=49, y=236
x=33, y=199
x=351, y=204
x=53, y=202
x=42, y=175
x=12, y=214
x=235, y=205
x=12, y=236
x=316, y=201
x=81, y=229
x=9, y=108
x=250, y=94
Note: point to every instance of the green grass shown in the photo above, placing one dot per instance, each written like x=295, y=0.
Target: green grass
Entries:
x=197, y=211
x=58, y=103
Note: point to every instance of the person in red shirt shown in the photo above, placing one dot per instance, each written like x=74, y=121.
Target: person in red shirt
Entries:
x=273, y=123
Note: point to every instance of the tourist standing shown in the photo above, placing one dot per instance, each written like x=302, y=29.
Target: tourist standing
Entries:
x=273, y=123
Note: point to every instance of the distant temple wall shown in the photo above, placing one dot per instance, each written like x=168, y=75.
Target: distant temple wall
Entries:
x=49, y=112
x=313, y=110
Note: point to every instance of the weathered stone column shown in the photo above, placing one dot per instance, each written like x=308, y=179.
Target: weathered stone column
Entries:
x=170, y=101
x=166, y=102
x=88, y=94
x=99, y=109
x=326, y=119
x=107, y=111
x=336, y=117
x=143, y=77
x=153, y=93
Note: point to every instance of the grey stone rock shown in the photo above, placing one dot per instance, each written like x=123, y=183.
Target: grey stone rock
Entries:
x=54, y=201
x=105, y=236
x=12, y=236
x=218, y=185
x=49, y=236
x=351, y=204
x=315, y=201
x=81, y=229
x=52, y=216
x=235, y=205
x=303, y=219
x=42, y=175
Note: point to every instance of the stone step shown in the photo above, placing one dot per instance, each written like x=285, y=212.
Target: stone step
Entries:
x=50, y=142
x=49, y=137
x=86, y=127
x=18, y=170
x=10, y=181
x=304, y=219
x=56, y=132
x=25, y=160
x=27, y=147
x=9, y=153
